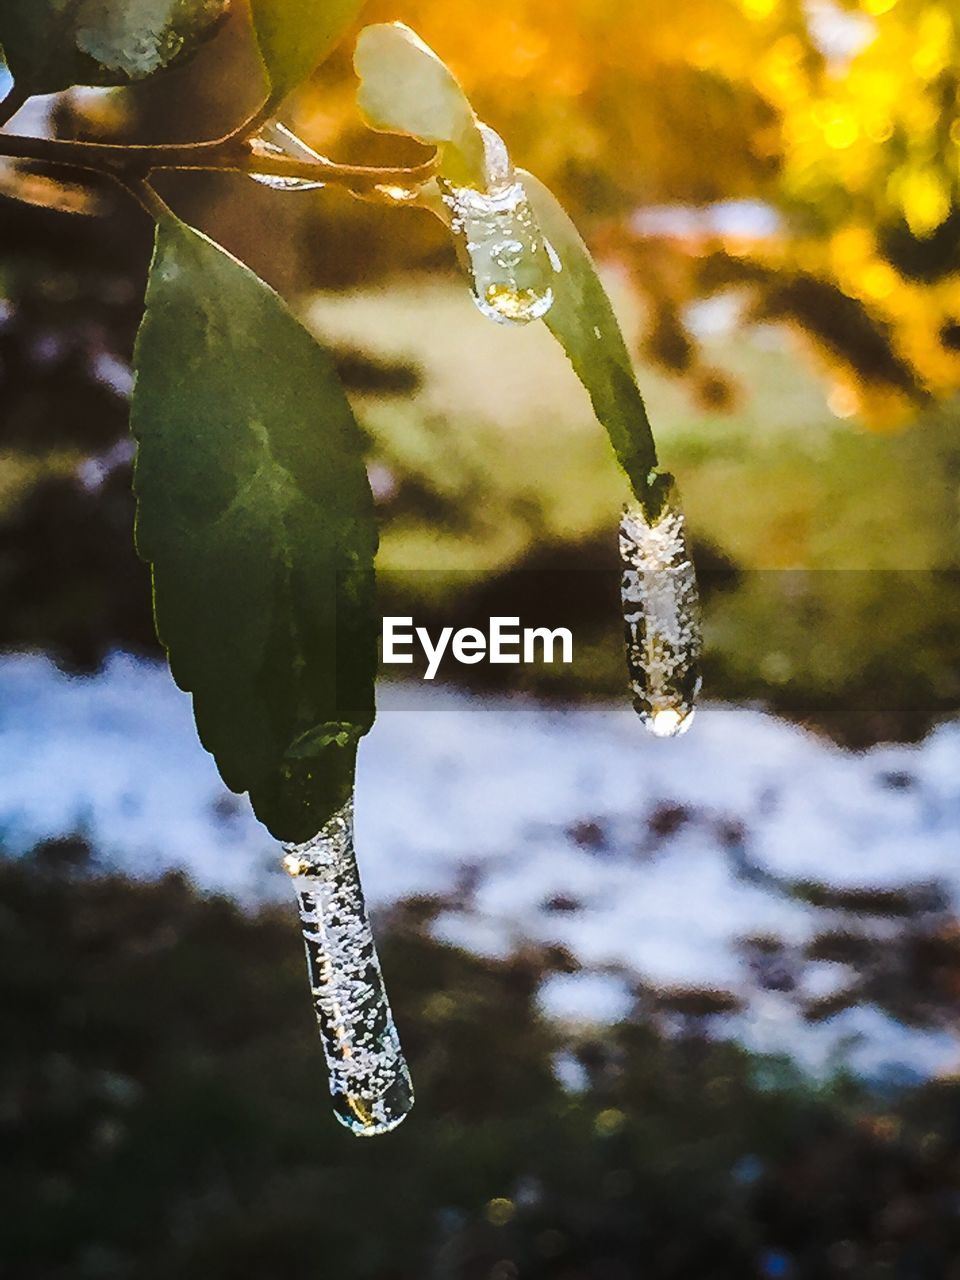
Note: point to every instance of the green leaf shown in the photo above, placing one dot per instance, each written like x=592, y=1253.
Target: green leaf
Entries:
x=583, y=321
x=295, y=36
x=53, y=44
x=255, y=514
x=405, y=88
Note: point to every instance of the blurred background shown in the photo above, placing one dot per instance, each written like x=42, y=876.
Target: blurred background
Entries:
x=682, y=1010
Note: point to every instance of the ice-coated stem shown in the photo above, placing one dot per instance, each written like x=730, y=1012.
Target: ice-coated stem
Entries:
x=369, y=1078
x=499, y=242
x=661, y=614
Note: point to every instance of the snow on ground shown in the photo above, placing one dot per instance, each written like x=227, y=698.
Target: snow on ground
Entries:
x=570, y=825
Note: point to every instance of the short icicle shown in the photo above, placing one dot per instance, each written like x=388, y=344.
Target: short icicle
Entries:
x=661, y=614
x=275, y=140
x=369, y=1078
x=509, y=263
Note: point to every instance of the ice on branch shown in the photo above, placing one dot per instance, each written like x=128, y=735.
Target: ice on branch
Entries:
x=276, y=140
x=499, y=242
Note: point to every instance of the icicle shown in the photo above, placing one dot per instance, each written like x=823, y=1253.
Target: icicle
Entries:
x=499, y=241
x=369, y=1078
x=661, y=614
x=277, y=140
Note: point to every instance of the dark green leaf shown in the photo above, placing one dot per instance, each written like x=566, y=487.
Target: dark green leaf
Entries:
x=405, y=88
x=295, y=36
x=583, y=322
x=255, y=514
x=52, y=44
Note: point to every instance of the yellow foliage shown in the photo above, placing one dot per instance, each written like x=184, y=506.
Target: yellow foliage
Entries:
x=845, y=121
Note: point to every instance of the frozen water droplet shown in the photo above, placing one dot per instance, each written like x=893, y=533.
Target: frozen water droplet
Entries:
x=669, y=723
x=500, y=242
x=369, y=1079
x=661, y=614
x=277, y=140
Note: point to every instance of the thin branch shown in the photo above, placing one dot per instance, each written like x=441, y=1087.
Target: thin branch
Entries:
x=145, y=196
x=252, y=124
x=355, y=177
x=222, y=155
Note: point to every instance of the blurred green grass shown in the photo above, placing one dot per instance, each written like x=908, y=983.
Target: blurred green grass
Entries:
x=828, y=555
x=501, y=435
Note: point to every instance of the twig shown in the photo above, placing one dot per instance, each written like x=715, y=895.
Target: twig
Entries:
x=252, y=124
x=145, y=196
x=222, y=155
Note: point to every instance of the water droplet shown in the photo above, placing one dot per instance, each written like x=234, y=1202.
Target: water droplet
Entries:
x=277, y=140
x=669, y=723
x=369, y=1079
x=500, y=242
x=390, y=194
x=661, y=614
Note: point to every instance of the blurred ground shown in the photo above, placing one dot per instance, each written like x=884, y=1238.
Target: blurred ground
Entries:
x=797, y=897
x=163, y=1113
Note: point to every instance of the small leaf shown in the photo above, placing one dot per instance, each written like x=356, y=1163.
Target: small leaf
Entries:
x=256, y=516
x=583, y=321
x=405, y=88
x=53, y=44
x=295, y=36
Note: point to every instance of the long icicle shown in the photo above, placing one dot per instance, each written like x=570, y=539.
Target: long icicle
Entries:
x=661, y=614
x=369, y=1078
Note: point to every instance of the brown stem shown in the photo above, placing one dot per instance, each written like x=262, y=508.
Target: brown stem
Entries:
x=222, y=155
x=252, y=124
x=145, y=196
x=240, y=158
